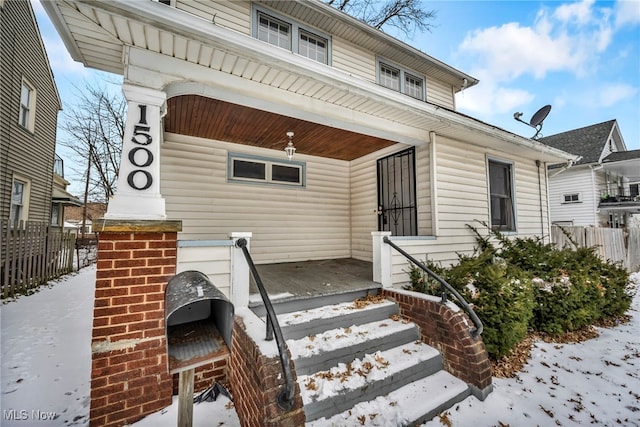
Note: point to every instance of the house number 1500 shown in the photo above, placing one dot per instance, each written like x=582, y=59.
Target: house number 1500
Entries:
x=141, y=156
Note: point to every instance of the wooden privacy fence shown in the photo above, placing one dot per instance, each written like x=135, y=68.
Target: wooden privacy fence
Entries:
x=620, y=245
x=32, y=254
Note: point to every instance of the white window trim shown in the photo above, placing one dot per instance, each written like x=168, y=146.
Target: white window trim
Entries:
x=403, y=71
x=31, y=119
x=564, y=201
x=295, y=31
x=268, y=162
x=511, y=165
x=24, y=214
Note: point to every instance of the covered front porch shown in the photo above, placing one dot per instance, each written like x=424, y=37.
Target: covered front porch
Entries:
x=315, y=278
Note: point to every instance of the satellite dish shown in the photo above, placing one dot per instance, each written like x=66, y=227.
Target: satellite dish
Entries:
x=539, y=116
x=536, y=119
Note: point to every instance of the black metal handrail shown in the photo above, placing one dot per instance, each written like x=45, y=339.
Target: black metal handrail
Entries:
x=444, y=287
x=286, y=395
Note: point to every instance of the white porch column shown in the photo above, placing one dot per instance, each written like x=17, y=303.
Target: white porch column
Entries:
x=381, y=259
x=138, y=194
x=239, y=271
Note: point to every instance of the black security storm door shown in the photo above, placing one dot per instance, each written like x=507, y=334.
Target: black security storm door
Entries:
x=397, y=194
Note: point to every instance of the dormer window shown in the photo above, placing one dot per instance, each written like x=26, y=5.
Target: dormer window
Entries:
x=401, y=80
x=288, y=34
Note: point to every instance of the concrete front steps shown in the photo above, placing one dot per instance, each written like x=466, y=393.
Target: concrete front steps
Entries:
x=359, y=363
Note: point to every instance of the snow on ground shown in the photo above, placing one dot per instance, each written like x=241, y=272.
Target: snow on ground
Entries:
x=46, y=361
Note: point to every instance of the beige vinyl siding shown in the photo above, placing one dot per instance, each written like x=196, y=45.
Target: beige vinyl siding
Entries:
x=28, y=155
x=440, y=93
x=214, y=261
x=463, y=200
x=235, y=15
x=353, y=60
x=288, y=223
x=364, y=198
x=364, y=201
x=574, y=180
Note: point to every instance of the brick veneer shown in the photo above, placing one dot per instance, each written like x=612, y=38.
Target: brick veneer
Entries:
x=256, y=381
x=129, y=375
x=205, y=376
x=448, y=331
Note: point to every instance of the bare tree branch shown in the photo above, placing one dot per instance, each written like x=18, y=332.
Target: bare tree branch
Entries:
x=408, y=16
x=93, y=129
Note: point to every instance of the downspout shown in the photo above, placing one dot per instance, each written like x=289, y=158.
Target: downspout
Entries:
x=540, y=196
x=596, y=197
x=435, y=228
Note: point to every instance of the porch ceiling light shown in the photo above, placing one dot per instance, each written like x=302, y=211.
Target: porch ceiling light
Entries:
x=290, y=149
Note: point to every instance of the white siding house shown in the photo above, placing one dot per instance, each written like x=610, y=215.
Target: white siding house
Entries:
x=213, y=91
x=601, y=189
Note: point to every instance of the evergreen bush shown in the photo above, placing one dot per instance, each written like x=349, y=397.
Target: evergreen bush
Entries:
x=522, y=283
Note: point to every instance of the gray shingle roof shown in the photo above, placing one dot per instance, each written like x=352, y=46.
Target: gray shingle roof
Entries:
x=618, y=156
x=587, y=142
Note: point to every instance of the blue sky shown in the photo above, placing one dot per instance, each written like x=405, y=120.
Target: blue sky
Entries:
x=582, y=57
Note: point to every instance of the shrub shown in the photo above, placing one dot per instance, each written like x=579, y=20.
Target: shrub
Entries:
x=522, y=283
x=501, y=296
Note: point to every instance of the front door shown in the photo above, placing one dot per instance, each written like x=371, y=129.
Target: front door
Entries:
x=397, y=194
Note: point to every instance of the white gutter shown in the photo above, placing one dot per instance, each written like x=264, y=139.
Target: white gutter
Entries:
x=236, y=43
x=569, y=164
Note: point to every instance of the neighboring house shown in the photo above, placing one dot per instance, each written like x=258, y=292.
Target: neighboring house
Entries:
x=61, y=198
x=32, y=185
x=600, y=189
x=94, y=210
x=29, y=104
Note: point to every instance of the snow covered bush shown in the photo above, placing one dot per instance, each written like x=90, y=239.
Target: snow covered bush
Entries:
x=516, y=285
x=498, y=292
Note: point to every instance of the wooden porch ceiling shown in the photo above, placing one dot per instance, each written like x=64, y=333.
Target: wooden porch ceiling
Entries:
x=208, y=118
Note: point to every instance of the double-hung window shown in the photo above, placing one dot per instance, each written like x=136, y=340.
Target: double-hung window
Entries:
x=288, y=34
x=245, y=168
x=18, y=201
x=502, y=209
x=401, y=80
x=274, y=31
x=26, y=119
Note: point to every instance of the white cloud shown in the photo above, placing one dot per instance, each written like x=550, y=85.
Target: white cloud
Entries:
x=566, y=39
x=611, y=94
x=627, y=12
x=580, y=12
x=489, y=99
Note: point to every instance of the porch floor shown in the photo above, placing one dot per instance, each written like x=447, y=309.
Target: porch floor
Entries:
x=313, y=278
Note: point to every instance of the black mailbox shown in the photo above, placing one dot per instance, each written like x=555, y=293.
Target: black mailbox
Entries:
x=198, y=322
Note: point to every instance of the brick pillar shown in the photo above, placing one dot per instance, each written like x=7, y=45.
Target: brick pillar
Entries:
x=129, y=375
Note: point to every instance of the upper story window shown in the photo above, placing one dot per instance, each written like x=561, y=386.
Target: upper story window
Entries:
x=288, y=34
x=274, y=31
x=26, y=118
x=502, y=207
x=313, y=47
x=401, y=80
